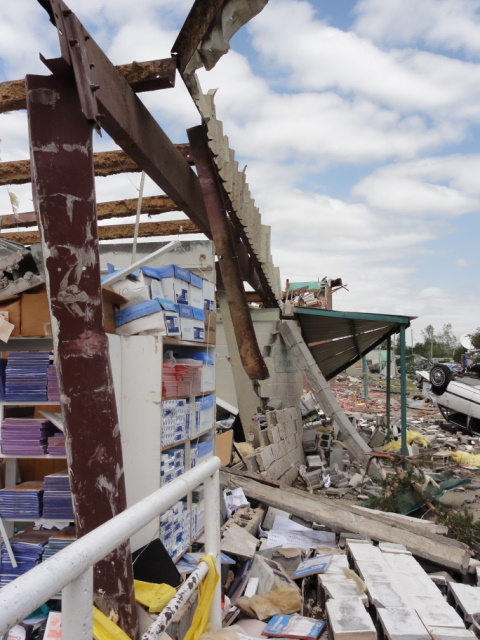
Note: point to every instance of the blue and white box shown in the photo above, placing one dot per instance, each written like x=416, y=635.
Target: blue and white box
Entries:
x=175, y=283
x=157, y=314
x=186, y=322
x=196, y=291
x=205, y=412
x=208, y=295
x=198, y=324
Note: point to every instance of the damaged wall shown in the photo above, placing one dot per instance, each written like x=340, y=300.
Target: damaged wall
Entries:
x=284, y=386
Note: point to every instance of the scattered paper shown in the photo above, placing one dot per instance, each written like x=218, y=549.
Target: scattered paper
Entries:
x=234, y=499
x=290, y=535
x=6, y=329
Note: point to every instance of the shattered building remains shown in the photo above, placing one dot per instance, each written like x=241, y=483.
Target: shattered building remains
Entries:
x=119, y=359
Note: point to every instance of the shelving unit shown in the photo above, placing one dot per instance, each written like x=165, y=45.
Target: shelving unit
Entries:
x=23, y=344
x=137, y=363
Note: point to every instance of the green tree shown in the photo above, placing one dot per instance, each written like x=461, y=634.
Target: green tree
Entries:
x=475, y=339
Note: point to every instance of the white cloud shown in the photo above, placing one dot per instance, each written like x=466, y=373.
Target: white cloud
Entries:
x=461, y=263
x=440, y=187
x=450, y=24
x=318, y=57
x=322, y=128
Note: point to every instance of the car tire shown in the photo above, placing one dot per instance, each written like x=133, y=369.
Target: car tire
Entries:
x=440, y=376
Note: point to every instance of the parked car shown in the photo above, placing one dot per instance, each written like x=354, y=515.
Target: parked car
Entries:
x=456, y=394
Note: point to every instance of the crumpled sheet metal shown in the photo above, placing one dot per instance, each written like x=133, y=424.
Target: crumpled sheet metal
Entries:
x=216, y=43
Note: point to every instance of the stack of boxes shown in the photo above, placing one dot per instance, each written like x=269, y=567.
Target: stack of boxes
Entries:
x=172, y=464
x=169, y=300
x=175, y=421
x=175, y=529
x=174, y=302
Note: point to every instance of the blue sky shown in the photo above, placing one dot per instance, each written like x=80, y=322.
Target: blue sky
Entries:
x=359, y=124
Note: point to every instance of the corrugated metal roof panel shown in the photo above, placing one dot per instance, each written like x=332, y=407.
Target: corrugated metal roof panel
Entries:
x=337, y=339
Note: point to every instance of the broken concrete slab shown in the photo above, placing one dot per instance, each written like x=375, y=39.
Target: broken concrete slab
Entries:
x=347, y=619
x=238, y=542
x=441, y=633
x=270, y=517
x=402, y=624
x=322, y=393
x=465, y=599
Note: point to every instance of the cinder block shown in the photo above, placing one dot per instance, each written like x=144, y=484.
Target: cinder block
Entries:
x=271, y=417
x=324, y=440
x=252, y=464
x=273, y=434
x=263, y=438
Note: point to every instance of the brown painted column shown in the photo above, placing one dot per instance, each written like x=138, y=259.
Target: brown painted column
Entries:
x=64, y=197
x=251, y=357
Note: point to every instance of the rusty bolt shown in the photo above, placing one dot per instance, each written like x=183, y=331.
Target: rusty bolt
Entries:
x=94, y=87
x=66, y=12
x=73, y=42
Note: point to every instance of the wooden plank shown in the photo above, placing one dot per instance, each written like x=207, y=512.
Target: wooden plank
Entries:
x=342, y=517
x=153, y=205
x=105, y=163
x=115, y=231
x=141, y=76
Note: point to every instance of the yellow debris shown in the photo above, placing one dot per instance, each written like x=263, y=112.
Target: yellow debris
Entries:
x=412, y=436
x=464, y=458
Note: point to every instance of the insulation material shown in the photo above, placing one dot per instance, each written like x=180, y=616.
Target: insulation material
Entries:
x=464, y=458
x=412, y=437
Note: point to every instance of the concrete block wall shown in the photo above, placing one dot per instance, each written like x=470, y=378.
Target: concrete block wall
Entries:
x=281, y=453
x=284, y=387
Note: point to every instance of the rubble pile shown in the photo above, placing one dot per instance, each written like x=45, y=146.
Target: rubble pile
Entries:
x=297, y=577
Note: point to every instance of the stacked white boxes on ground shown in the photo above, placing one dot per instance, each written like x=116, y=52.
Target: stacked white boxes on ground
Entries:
x=180, y=306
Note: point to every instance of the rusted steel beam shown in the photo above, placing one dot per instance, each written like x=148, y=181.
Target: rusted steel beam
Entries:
x=152, y=205
x=126, y=119
x=141, y=76
x=106, y=163
x=64, y=197
x=194, y=29
x=248, y=348
x=116, y=231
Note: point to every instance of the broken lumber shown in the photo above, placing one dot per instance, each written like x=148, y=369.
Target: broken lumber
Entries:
x=313, y=508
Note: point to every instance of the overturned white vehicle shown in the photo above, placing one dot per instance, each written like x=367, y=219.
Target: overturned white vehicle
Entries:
x=457, y=395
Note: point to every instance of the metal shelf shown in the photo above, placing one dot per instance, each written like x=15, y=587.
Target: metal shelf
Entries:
x=29, y=403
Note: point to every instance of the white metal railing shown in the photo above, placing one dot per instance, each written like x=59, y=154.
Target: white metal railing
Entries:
x=71, y=569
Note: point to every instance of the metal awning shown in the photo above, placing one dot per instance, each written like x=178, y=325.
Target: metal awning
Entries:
x=338, y=339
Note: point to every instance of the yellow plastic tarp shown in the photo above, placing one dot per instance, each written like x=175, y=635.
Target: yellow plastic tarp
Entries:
x=106, y=629
x=412, y=436
x=206, y=590
x=154, y=596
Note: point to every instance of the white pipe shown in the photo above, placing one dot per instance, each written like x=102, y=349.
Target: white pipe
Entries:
x=77, y=598
x=176, y=603
x=27, y=592
x=137, y=219
x=118, y=275
x=212, y=542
